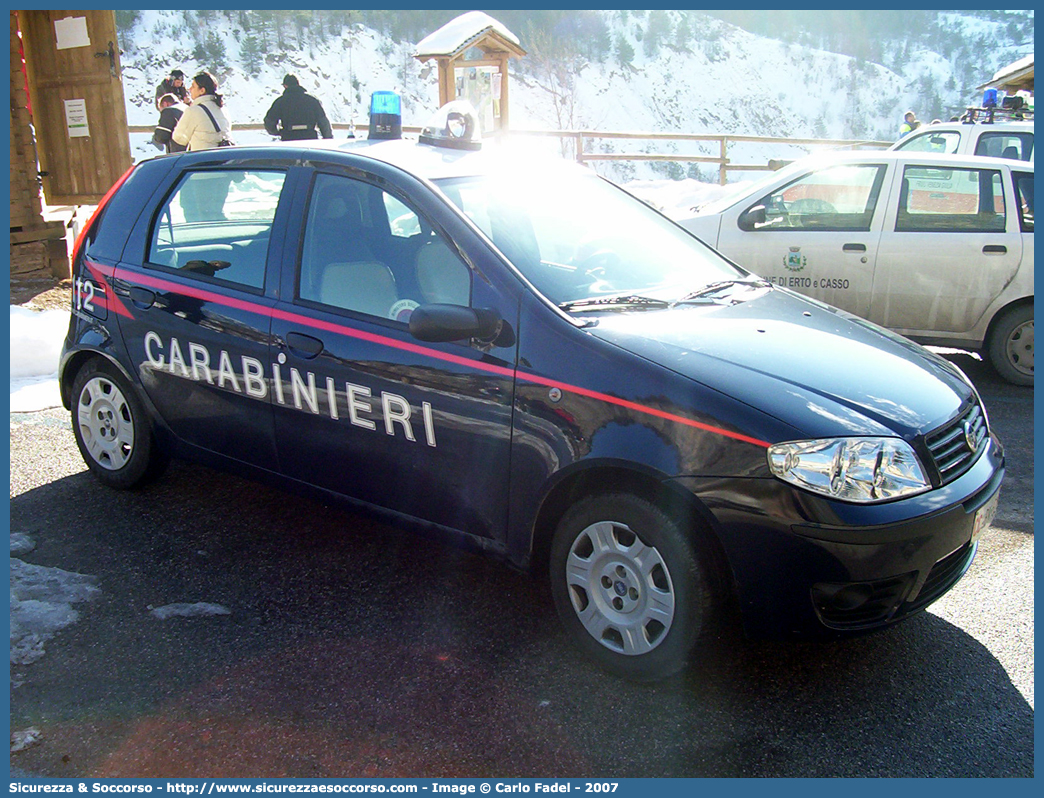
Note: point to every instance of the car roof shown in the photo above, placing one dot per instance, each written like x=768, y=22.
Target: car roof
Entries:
x=423, y=160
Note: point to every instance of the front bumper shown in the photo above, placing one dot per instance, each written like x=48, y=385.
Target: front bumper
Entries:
x=802, y=565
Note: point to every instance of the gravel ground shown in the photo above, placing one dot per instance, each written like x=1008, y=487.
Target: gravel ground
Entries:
x=354, y=649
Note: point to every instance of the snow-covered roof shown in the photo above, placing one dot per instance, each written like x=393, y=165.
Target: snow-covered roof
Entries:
x=459, y=34
x=1017, y=72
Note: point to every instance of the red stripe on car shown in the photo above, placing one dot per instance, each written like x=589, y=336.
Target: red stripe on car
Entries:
x=404, y=346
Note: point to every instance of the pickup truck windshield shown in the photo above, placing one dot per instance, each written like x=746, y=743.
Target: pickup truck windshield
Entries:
x=576, y=236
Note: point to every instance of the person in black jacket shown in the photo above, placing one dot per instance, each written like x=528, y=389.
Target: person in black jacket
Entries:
x=170, y=112
x=175, y=84
x=295, y=114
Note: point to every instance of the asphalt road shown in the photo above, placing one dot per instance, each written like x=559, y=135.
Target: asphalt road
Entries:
x=355, y=649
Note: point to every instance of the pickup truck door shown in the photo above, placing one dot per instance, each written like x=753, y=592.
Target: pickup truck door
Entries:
x=950, y=247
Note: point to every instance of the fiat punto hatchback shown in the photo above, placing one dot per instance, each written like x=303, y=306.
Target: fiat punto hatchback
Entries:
x=936, y=247
x=526, y=359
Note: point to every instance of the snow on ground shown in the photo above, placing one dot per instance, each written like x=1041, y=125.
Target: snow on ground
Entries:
x=41, y=603
x=36, y=343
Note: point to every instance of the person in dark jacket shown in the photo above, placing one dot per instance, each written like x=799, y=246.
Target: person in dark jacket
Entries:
x=295, y=114
x=170, y=112
x=175, y=84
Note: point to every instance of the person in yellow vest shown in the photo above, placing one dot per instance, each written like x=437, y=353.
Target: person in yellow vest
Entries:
x=909, y=124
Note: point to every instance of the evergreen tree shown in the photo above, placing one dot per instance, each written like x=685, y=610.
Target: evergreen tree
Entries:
x=126, y=19
x=682, y=35
x=657, y=31
x=210, y=52
x=624, y=51
x=252, y=53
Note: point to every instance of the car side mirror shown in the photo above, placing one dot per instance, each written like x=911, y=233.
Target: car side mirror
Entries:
x=752, y=218
x=436, y=323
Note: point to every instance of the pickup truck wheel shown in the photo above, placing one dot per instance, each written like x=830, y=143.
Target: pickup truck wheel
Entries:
x=1010, y=347
x=112, y=429
x=629, y=586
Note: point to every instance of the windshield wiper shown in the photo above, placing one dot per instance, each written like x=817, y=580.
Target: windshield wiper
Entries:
x=623, y=302
x=708, y=292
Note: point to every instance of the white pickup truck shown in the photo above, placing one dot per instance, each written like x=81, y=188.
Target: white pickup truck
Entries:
x=936, y=247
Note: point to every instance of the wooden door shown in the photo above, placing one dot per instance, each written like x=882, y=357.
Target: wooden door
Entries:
x=72, y=61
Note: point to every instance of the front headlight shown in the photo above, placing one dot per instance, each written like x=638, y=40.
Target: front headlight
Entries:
x=864, y=470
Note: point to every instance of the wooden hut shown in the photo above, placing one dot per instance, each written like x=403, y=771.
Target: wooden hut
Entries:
x=472, y=53
x=69, y=140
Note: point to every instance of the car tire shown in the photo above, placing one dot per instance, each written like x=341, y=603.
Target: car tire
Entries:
x=112, y=429
x=1010, y=347
x=629, y=586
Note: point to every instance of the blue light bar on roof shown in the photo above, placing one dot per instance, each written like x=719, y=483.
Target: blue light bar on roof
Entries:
x=385, y=115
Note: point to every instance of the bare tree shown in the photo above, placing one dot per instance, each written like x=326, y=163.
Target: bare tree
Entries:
x=554, y=66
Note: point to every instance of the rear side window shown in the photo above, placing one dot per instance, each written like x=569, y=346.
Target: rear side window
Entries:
x=217, y=225
x=117, y=219
x=942, y=141
x=950, y=201
x=1013, y=146
x=1024, y=194
x=839, y=197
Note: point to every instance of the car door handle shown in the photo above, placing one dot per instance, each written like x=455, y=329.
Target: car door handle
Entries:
x=142, y=298
x=854, y=248
x=994, y=249
x=304, y=346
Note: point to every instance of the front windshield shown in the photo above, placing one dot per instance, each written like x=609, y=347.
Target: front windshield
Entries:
x=576, y=236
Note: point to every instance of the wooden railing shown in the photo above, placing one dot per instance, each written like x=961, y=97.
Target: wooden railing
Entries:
x=585, y=155
x=722, y=160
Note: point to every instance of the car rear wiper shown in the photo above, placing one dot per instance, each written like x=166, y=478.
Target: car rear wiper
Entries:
x=622, y=302
x=709, y=292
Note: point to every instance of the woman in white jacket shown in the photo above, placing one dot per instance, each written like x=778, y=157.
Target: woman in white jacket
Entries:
x=203, y=126
x=197, y=128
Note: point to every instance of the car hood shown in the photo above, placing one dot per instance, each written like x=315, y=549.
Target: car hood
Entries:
x=818, y=369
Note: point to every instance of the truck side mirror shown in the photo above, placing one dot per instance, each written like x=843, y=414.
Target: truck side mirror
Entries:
x=753, y=217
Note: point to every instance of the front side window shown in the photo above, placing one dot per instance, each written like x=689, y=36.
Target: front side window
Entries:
x=575, y=236
x=1013, y=146
x=217, y=225
x=369, y=252
x=950, y=200
x=841, y=197
x=940, y=141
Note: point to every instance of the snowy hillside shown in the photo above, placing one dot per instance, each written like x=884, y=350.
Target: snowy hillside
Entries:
x=717, y=78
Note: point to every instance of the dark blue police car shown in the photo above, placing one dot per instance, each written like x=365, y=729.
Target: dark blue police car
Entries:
x=524, y=357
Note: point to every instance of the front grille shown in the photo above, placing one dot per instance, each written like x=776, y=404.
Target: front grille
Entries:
x=955, y=445
x=942, y=577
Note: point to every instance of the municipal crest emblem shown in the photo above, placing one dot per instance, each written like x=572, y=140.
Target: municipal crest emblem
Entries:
x=794, y=261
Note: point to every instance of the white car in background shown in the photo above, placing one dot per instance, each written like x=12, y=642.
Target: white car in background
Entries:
x=1008, y=139
x=938, y=248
